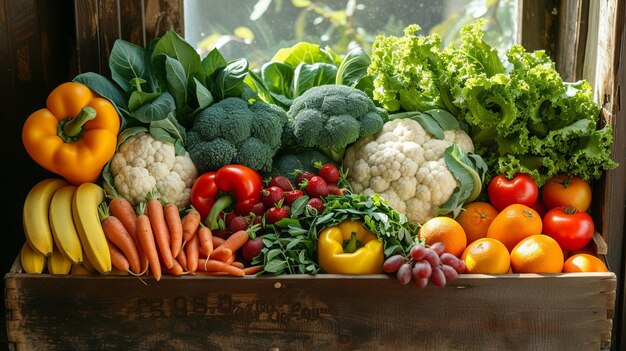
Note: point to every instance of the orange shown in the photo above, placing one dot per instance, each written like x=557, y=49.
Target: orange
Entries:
x=487, y=256
x=513, y=224
x=584, y=263
x=444, y=230
x=475, y=219
x=537, y=254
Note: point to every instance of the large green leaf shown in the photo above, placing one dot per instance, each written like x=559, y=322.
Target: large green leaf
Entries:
x=301, y=52
x=469, y=174
x=127, y=61
x=213, y=61
x=103, y=87
x=230, y=80
x=445, y=119
x=308, y=76
x=278, y=78
x=139, y=98
x=256, y=83
x=169, y=130
x=176, y=81
x=155, y=110
x=174, y=46
x=353, y=68
x=203, y=95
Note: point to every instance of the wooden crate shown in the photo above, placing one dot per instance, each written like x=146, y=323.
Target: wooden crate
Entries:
x=324, y=312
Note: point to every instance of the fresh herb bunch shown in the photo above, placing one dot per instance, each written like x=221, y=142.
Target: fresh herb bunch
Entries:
x=290, y=247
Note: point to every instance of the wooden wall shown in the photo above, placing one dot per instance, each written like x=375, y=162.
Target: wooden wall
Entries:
x=42, y=44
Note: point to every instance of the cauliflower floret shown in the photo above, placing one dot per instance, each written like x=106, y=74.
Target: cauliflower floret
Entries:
x=405, y=165
x=133, y=183
x=143, y=164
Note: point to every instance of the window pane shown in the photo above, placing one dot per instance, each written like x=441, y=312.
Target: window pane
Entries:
x=257, y=29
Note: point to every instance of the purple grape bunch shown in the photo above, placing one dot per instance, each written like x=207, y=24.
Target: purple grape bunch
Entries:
x=424, y=264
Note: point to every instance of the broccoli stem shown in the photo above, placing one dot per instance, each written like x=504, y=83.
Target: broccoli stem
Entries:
x=218, y=207
x=334, y=153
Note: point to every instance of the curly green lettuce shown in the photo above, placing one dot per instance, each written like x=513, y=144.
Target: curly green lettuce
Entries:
x=521, y=119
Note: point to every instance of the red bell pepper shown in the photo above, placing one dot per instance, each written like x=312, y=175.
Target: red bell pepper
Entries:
x=213, y=192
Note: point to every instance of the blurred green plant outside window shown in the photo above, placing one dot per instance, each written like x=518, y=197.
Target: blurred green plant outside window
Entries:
x=256, y=29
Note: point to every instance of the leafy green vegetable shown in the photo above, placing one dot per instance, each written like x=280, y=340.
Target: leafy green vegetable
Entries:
x=230, y=80
x=307, y=76
x=292, y=71
x=127, y=61
x=169, y=130
x=302, y=52
x=525, y=119
x=213, y=61
x=293, y=249
x=176, y=81
x=469, y=170
x=174, y=46
x=104, y=88
x=353, y=68
x=156, y=109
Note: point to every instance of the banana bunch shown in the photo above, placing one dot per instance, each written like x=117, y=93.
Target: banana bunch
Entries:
x=61, y=224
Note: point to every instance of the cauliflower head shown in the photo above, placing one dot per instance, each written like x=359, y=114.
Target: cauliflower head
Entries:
x=405, y=165
x=142, y=164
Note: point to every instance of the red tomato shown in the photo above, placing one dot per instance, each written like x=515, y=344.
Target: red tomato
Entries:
x=522, y=189
x=540, y=207
x=564, y=190
x=571, y=228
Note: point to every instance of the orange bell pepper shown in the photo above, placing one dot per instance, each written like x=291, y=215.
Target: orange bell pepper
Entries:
x=75, y=136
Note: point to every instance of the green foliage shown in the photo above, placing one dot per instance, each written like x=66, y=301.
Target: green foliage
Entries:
x=290, y=246
x=164, y=86
x=525, y=119
x=294, y=70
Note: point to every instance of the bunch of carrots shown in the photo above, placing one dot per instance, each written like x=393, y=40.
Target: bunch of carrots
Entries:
x=158, y=239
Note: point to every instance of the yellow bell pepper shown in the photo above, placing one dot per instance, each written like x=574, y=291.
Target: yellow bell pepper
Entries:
x=333, y=258
x=75, y=136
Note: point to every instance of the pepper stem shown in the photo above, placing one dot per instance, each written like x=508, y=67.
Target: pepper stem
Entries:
x=351, y=245
x=220, y=205
x=71, y=129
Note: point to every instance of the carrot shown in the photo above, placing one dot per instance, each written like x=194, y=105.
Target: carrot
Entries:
x=190, y=224
x=123, y=210
x=204, y=238
x=117, y=234
x=217, y=241
x=192, y=254
x=219, y=266
x=232, y=244
x=176, y=270
x=253, y=269
x=182, y=259
x=237, y=264
x=159, y=228
x=230, y=260
x=175, y=227
x=118, y=260
x=144, y=232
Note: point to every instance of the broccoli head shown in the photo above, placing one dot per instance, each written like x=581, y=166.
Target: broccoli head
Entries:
x=235, y=131
x=330, y=117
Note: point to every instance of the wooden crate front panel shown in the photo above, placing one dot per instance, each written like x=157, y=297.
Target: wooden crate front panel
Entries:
x=475, y=312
